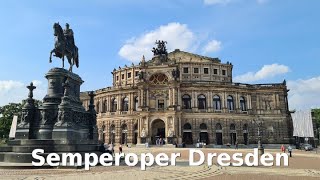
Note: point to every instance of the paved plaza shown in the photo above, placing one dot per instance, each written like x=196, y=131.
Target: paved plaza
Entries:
x=303, y=165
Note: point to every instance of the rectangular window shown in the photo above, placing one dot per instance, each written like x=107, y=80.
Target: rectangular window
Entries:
x=223, y=72
x=136, y=73
x=206, y=70
x=196, y=70
x=117, y=78
x=215, y=71
x=122, y=76
x=160, y=104
x=129, y=75
x=185, y=70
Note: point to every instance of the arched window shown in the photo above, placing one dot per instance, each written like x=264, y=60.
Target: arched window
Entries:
x=203, y=126
x=187, y=126
x=104, y=106
x=112, y=134
x=233, y=134
x=125, y=104
x=114, y=105
x=112, y=128
x=98, y=107
x=232, y=127
x=186, y=101
x=243, y=105
x=216, y=102
x=201, y=102
x=124, y=131
x=203, y=135
x=218, y=127
x=245, y=127
x=124, y=127
x=136, y=103
x=230, y=103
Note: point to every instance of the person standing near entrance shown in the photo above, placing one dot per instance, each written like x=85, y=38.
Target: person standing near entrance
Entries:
x=120, y=149
x=290, y=150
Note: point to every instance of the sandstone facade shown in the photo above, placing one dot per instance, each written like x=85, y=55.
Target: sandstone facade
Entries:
x=184, y=97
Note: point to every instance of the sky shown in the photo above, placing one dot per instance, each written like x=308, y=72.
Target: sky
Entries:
x=267, y=41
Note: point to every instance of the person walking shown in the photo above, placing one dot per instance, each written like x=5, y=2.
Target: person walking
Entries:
x=120, y=149
x=290, y=150
x=283, y=149
x=236, y=144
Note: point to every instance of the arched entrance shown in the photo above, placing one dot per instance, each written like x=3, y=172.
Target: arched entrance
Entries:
x=124, y=131
x=204, y=133
x=187, y=134
x=158, y=131
x=135, y=138
x=103, y=131
x=233, y=134
x=219, y=134
x=245, y=134
x=112, y=134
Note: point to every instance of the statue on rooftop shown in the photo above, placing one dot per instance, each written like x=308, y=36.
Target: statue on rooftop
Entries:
x=160, y=49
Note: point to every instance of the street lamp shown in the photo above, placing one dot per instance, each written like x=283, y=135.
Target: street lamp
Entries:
x=260, y=147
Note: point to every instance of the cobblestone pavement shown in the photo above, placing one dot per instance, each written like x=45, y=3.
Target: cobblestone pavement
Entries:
x=303, y=165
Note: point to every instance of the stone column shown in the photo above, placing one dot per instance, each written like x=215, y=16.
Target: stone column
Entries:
x=25, y=129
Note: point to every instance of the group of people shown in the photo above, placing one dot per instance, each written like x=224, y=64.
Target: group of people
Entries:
x=283, y=149
x=159, y=141
x=109, y=148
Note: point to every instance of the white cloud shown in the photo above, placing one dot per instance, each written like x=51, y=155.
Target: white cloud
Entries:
x=304, y=93
x=178, y=36
x=214, y=2
x=212, y=46
x=267, y=71
x=8, y=85
x=15, y=91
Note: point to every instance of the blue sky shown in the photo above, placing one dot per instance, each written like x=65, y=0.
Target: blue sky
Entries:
x=266, y=40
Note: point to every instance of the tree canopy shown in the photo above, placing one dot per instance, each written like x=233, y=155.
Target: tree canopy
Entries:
x=8, y=111
x=316, y=114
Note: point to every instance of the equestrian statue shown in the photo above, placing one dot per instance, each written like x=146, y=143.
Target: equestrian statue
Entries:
x=64, y=46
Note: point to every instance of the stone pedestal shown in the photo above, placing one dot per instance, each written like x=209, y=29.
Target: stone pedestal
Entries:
x=61, y=124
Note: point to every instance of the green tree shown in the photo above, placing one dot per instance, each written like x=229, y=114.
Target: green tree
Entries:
x=7, y=112
x=316, y=114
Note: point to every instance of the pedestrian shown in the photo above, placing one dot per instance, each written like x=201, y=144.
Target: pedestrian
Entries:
x=236, y=144
x=120, y=149
x=283, y=149
x=290, y=150
x=110, y=149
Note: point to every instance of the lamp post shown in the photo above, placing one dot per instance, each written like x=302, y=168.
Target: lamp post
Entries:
x=260, y=146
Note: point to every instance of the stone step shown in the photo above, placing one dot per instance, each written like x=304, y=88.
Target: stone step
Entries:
x=48, y=142
x=13, y=157
x=50, y=148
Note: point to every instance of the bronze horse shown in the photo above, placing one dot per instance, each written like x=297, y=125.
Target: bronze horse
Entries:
x=63, y=48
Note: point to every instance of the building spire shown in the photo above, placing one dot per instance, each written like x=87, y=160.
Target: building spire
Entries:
x=143, y=59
